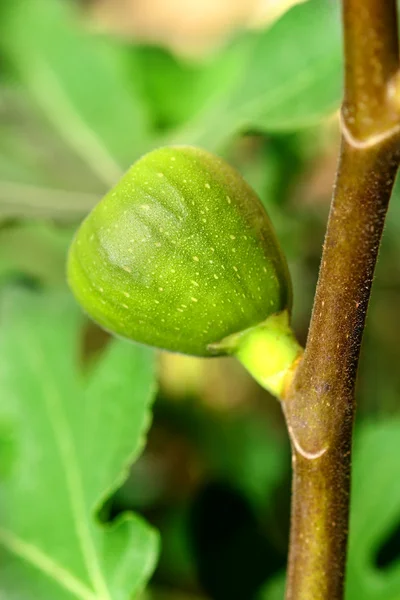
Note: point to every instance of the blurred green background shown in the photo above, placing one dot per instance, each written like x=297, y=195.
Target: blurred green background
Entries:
x=86, y=87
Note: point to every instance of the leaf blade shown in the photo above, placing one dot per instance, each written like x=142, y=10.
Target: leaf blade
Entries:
x=268, y=84
x=60, y=536
x=79, y=81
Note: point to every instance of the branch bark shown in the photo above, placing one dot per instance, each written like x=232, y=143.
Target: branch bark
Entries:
x=319, y=405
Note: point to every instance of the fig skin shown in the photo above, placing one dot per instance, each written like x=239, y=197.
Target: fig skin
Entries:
x=179, y=255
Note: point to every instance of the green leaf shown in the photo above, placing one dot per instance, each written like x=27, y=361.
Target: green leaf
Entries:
x=39, y=175
x=284, y=78
x=33, y=153
x=80, y=82
x=66, y=442
x=161, y=76
x=375, y=511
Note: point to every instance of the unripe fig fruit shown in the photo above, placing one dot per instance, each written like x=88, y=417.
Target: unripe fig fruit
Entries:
x=180, y=255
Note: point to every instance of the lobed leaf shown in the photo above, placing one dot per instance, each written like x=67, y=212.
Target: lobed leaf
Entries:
x=66, y=442
x=80, y=82
x=283, y=78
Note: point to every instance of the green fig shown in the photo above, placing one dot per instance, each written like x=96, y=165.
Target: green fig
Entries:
x=180, y=255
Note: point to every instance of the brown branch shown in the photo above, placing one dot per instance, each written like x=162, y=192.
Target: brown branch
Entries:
x=371, y=60
x=319, y=406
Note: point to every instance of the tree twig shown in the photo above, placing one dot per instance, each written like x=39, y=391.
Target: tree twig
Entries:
x=319, y=406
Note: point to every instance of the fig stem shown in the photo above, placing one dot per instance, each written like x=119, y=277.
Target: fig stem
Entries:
x=319, y=404
x=270, y=353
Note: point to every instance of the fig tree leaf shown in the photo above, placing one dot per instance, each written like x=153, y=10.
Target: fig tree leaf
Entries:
x=375, y=512
x=161, y=75
x=67, y=438
x=79, y=80
x=32, y=151
x=284, y=78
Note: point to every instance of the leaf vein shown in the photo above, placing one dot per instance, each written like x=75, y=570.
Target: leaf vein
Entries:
x=74, y=130
x=68, y=457
x=46, y=564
